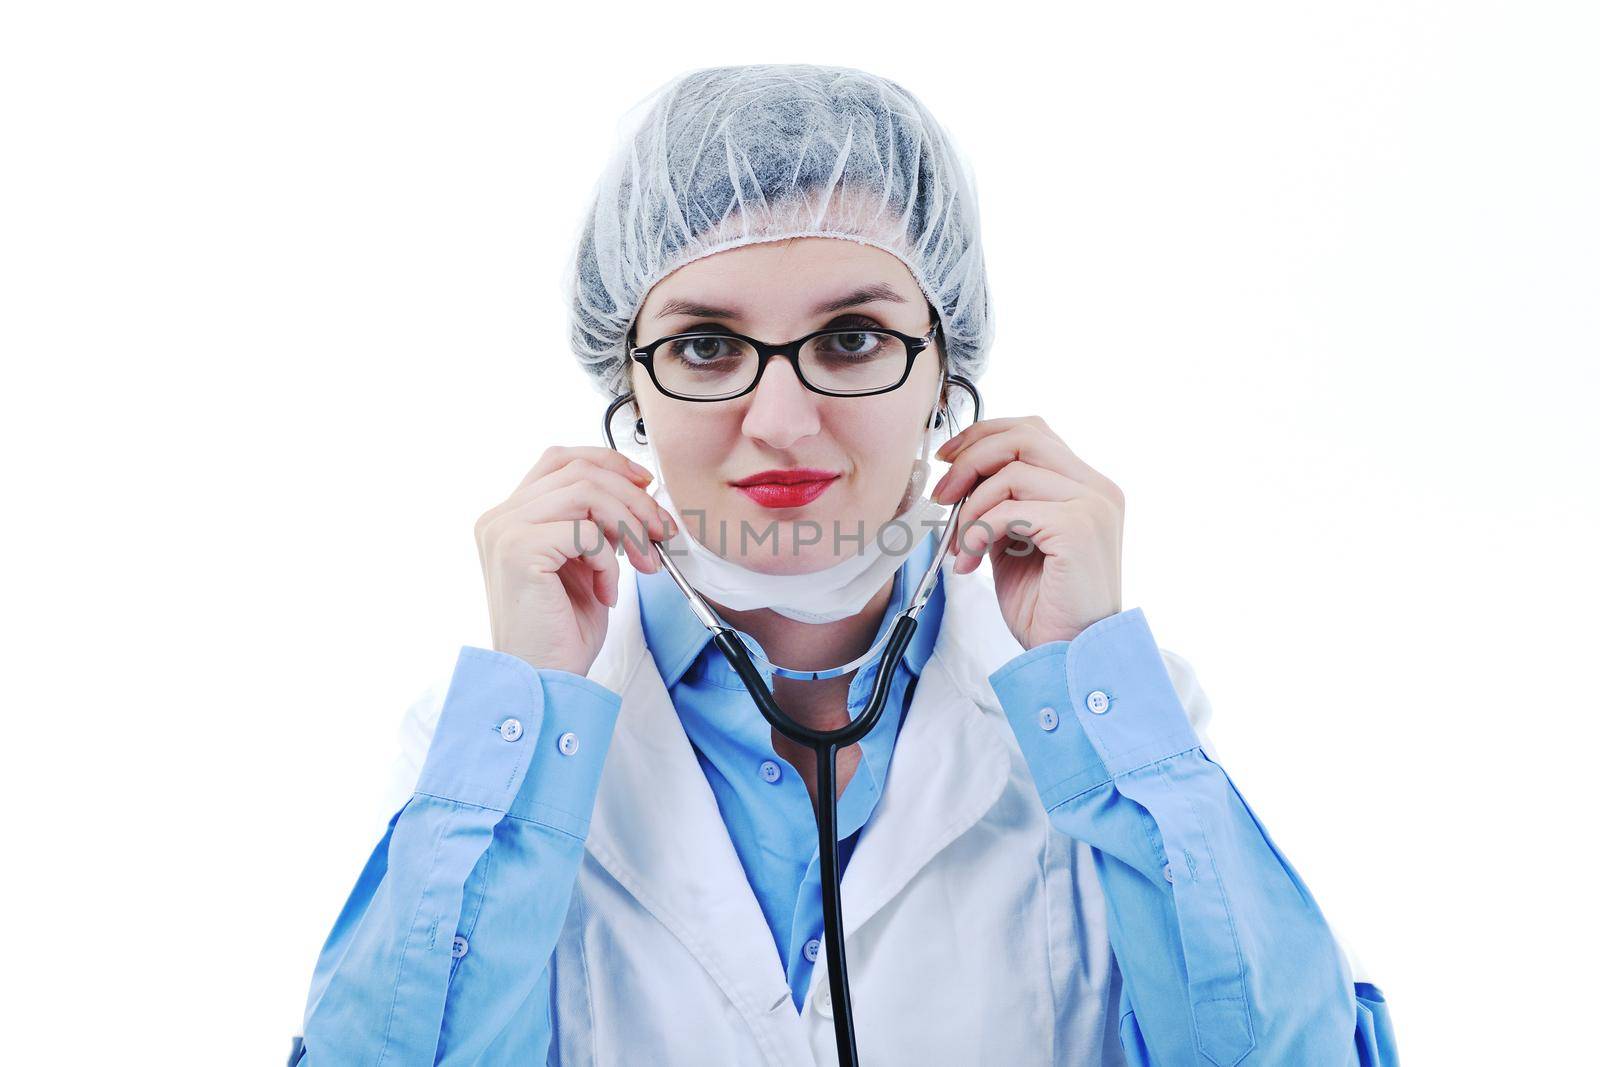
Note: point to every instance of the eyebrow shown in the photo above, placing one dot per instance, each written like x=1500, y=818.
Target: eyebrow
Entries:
x=864, y=295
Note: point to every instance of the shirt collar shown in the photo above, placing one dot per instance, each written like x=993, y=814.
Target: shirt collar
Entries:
x=678, y=642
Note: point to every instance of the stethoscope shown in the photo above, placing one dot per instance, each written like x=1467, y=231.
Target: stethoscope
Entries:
x=825, y=743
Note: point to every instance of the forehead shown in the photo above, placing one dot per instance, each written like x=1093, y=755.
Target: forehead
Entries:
x=783, y=282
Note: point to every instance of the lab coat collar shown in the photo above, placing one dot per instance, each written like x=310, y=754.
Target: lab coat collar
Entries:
x=657, y=830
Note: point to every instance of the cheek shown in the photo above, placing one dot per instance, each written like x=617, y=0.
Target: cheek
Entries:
x=693, y=443
x=883, y=448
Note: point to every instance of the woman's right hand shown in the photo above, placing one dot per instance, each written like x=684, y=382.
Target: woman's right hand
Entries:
x=550, y=581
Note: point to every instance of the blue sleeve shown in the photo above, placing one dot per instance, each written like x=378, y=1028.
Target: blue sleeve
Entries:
x=1225, y=957
x=441, y=953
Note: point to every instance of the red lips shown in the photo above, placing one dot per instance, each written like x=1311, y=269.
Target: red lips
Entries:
x=790, y=487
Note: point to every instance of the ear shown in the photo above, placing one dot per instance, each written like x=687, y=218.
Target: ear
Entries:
x=941, y=410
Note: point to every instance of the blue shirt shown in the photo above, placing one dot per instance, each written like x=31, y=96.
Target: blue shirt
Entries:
x=763, y=801
x=1224, y=955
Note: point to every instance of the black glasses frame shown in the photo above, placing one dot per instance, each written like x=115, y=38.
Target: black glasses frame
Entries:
x=915, y=346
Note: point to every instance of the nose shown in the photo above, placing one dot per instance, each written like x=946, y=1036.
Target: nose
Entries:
x=782, y=411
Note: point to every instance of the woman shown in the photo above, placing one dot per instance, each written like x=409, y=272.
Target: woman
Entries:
x=606, y=855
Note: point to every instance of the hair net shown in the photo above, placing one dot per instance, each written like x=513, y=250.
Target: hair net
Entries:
x=731, y=156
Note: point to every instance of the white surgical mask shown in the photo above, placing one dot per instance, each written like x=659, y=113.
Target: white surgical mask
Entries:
x=838, y=592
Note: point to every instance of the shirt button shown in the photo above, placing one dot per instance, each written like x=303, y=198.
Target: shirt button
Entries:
x=825, y=1004
x=458, y=947
x=1098, y=702
x=813, y=949
x=567, y=743
x=1048, y=718
x=511, y=729
x=770, y=771
x=1167, y=871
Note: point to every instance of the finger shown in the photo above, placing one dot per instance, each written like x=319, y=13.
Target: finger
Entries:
x=1021, y=481
x=510, y=520
x=987, y=455
x=607, y=576
x=985, y=428
x=652, y=518
x=1070, y=463
x=1010, y=522
x=605, y=587
x=558, y=456
x=585, y=499
x=585, y=552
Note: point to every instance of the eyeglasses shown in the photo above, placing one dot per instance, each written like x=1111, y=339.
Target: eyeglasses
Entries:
x=707, y=365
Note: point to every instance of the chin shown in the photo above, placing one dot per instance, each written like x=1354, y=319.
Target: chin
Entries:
x=765, y=539
x=807, y=560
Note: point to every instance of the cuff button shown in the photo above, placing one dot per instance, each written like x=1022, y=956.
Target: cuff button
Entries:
x=1098, y=702
x=511, y=729
x=1048, y=719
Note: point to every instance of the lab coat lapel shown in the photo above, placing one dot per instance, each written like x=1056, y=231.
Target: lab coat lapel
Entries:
x=657, y=830
x=950, y=762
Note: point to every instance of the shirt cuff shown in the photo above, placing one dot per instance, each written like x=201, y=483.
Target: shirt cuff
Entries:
x=520, y=740
x=482, y=744
x=1093, y=708
x=580, y=717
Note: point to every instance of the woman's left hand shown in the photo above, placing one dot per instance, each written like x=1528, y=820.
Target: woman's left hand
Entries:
x=1050, y=523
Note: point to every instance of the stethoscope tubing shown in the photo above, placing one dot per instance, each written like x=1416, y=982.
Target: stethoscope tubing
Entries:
x=826, y=744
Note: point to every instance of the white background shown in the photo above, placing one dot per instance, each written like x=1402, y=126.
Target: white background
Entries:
x=1314, y=283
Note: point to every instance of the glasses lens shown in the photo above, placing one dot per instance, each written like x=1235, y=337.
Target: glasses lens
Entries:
x=705, y=365
x=853, y=361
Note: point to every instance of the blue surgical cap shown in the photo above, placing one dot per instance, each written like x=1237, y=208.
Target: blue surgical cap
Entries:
x=731, y=156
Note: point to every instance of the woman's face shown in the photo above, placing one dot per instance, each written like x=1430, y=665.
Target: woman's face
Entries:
x=862, y=447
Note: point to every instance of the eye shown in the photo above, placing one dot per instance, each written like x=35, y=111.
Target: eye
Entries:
x=868, y=342
x=855, y=344
x=705, y=348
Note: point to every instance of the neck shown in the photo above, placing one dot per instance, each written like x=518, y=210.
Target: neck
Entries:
x=814, y=646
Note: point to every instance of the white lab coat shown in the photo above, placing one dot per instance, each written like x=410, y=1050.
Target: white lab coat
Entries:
x=976, y=932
